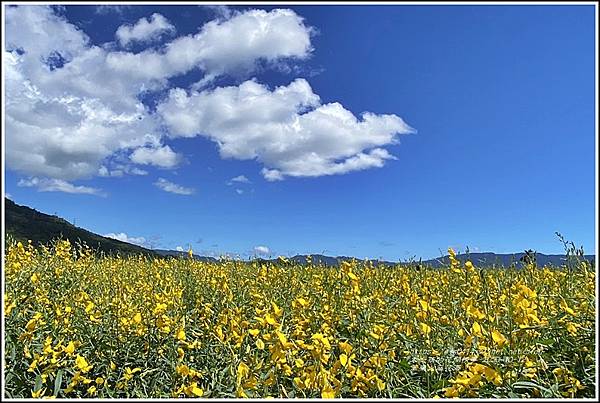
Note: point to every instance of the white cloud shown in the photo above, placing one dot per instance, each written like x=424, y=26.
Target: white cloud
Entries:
x=108, y=9
x=119, y=170
x=261, y=250
x=287, y=129
x=123, y=237
x=58, y=185
x=8, y=195
x=71, y=105
x=63, y=122
x=145, y=30
x=221, y=11
x=271, y=175
x=239, y=191
x=163, y=157
x=179, y=248
x=171, y=187
x=238, y=179
x=234, y=45
x=137, y=171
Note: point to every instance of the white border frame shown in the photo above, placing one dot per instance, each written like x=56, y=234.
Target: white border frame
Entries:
x=313, y=3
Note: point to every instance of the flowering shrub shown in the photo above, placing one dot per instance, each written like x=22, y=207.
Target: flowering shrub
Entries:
x=83, y=325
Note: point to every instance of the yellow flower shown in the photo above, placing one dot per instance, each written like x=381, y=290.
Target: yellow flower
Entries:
x=183, y=370
x=180, y=334
x=32, y=366
x=566, y=308
x=9, y=308
x=129, y=373
x=345, y=347
x=343, y=359
x=82, y=364
x=270, y=320
x=327, y=392
x=32, y=324
x=302, y=302
x=451, y=391
x=99, y=380
x=242, y=371
x=38, y=393
x=282, y=338
x=476, y=329
x=559, y=371
x=137, y=318
x=498, y=338
x=194, y=390
x=70, y=348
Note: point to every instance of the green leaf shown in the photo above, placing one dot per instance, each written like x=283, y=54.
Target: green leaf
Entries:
x=530, y=385
x=38, y=383
x=58, y=382
x=546, y=342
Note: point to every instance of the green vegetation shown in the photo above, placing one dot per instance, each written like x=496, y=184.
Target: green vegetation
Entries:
x=26, y=224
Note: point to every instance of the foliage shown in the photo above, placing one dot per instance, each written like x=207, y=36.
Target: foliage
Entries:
x=83, y=325
x=24, y=223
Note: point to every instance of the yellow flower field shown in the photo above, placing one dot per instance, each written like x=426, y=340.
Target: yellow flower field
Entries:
x=82, y=325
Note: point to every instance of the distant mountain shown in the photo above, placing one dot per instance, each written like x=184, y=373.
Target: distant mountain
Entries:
x=25, y=223
x=488, y=259
x=176, y=253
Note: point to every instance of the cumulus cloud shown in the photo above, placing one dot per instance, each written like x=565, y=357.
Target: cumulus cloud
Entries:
x=234, y=45
x=171, y=187
x=109, y=9
x=238, y=179
x=71, y=105
x=163, y=157
x=144, y=30
x=58, y=185
x=64, y=119
x=239, y=191
x=261, y=250
x=221, y=11
x=287, y=129
x=119, y=170
x=179, y=248
x=123, y=237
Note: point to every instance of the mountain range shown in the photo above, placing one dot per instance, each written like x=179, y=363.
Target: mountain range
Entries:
x=24, y=223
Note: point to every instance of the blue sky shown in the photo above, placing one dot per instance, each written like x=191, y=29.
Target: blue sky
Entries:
x=481, y=130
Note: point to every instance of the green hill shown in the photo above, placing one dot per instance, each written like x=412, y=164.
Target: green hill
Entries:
x=24, y=223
